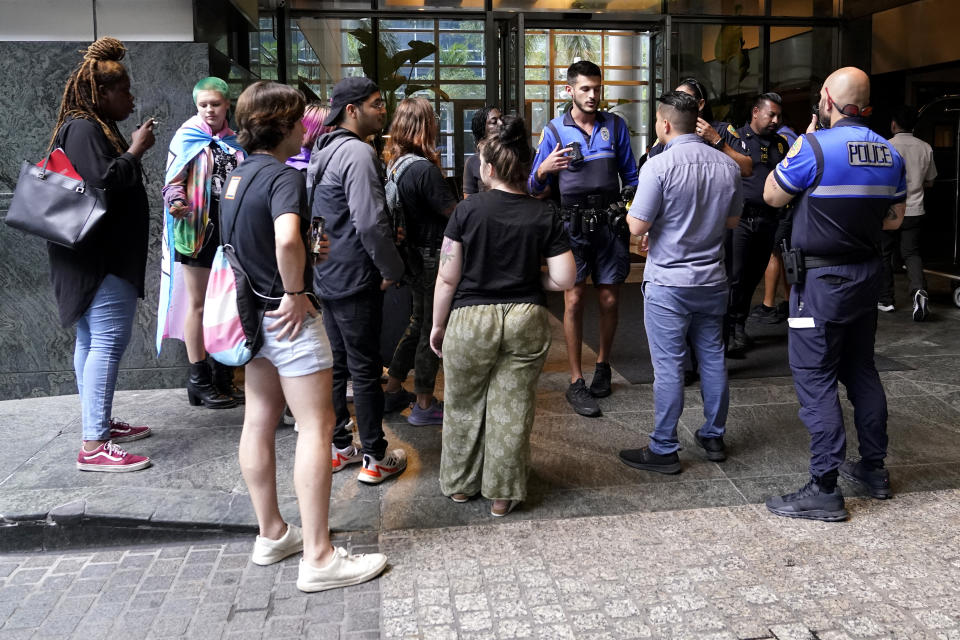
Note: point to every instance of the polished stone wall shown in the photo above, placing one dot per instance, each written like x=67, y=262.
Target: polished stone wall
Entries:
x=36, y=353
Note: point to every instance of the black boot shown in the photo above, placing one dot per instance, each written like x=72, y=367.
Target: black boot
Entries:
x=200, y=389
x=223, y=381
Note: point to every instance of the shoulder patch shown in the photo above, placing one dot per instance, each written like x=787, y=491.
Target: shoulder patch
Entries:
x=232, y=186
x=733, y=131
x=795, y=149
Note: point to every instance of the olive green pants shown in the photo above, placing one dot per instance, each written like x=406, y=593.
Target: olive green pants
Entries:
x=492, y=357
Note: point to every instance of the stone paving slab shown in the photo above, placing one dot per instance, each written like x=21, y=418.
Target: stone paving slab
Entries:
x=725, y=573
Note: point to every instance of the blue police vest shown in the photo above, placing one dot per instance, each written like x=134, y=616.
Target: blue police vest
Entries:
x=849, y=177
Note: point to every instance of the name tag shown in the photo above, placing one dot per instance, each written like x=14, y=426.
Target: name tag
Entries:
x=232, y=186
x=869, y=154
x=801, y=323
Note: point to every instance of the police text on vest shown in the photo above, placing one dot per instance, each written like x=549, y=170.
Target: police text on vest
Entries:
x=869, y=154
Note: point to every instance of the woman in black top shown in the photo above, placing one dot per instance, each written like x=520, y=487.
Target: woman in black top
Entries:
x=264, y=216
x=485, y=122
x=498, y=333
x=97, y=284
x=413, y=162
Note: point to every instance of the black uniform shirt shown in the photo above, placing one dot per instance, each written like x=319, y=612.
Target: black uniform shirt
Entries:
x=766, y=152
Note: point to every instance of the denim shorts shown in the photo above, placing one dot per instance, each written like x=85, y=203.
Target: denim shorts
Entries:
x=308, y=353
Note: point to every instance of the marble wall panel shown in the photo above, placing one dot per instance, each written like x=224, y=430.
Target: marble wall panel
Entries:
x=36, y=353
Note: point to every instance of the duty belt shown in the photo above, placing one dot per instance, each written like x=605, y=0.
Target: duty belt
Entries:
x=815, y=262
x=759, y=211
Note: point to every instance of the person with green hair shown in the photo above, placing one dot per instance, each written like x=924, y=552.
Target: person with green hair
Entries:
x=203, y=151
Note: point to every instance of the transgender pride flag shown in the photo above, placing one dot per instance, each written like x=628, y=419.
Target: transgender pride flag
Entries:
x=223, y=334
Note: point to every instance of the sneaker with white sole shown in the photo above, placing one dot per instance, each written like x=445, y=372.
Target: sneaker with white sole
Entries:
x=342, y=457
x=267, y=551
x=110, y=458
x=920, y=305
x=376, y=470
x=123, y=432
x=344, y=570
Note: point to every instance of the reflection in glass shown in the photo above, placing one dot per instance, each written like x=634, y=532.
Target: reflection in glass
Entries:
x=716, y=7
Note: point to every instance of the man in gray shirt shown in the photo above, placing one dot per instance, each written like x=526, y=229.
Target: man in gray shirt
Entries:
x=345, y=181
x=686, y=197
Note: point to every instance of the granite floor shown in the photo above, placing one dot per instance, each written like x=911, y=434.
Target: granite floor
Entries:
x=195, y=479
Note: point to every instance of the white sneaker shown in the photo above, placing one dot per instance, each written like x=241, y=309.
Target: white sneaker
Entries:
x=376, y=470
x=343, y=571
x=886, y=308
x=267, y=551
x=342, y=457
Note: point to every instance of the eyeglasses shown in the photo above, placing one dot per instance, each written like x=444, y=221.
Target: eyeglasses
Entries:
x=849, y=110
x=378, y=104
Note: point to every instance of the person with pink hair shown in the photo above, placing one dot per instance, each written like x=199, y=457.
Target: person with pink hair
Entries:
x=313, y=127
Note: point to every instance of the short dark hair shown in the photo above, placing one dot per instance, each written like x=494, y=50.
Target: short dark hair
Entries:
x=906, y=117
x=680, y=109
x=583, y=68
x=266, y=111
x=770, y=96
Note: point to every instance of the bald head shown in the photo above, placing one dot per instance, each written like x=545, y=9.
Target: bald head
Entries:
x=846, y=86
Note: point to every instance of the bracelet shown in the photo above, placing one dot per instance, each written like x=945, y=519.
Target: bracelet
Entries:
x=294, y=293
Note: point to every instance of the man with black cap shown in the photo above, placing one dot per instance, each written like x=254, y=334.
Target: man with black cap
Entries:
x=345, y=180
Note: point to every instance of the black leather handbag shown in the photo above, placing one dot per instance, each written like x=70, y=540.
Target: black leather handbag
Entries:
x=55, y=207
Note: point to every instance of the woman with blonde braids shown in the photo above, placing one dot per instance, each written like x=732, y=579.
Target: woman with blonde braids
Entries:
x=202, y=152
x=97, y=285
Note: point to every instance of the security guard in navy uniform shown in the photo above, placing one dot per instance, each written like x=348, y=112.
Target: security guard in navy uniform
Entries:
x=748, y=246
x=851, y=184
x=584, y=156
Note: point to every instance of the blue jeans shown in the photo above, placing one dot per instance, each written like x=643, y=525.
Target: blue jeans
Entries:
x=103, y=333
x=671, y=315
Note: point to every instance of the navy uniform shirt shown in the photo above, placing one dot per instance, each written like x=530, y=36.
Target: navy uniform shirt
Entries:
x=607, y=160
x=848, y=177
x=766, y=152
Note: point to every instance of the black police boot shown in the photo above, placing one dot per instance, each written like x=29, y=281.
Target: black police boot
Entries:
x=201, y=390
x=810, y=502
x=875, y=480
x=600, y=385
x=716, y=450
x=647, y=460
x=581, y=400
x=223, y=381
x=739, y=342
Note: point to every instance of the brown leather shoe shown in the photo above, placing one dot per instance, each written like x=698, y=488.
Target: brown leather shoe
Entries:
x=501, y=508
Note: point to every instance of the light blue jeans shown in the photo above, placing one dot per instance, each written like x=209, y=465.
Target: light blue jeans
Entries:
x=103, y=334
x=670, y=315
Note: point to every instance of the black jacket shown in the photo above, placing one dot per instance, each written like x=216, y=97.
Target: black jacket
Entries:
x=118, y=245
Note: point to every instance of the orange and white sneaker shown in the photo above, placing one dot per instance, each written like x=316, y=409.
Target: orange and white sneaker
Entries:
x=342, y=457
x=376, y=470
x=109, y=457
x=123, y=432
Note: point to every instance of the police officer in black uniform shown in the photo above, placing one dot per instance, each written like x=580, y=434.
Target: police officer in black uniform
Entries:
x=851, y=184
x=749, y=245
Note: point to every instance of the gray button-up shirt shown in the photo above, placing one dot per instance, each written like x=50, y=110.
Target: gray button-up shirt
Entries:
x=687, y=193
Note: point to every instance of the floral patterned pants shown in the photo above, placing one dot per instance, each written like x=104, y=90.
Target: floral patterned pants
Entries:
x=492, y=357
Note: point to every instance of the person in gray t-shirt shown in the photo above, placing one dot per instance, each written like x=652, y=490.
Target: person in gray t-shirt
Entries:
x=686, y=198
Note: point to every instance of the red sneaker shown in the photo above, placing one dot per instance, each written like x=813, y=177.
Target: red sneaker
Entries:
x=123, y=432
x=109, y=457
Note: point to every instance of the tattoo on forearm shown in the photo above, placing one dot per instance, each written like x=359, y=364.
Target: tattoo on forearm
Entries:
x=446, y=251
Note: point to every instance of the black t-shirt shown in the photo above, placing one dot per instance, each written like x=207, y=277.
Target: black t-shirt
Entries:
x=471, y=176
x=427, y=201
x=273, y=189
x=504, y=237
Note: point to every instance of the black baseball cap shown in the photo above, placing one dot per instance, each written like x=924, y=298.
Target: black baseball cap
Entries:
x=348, y=91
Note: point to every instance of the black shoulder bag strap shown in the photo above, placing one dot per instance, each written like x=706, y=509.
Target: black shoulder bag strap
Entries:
x=241, y=192
x=323, y=168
